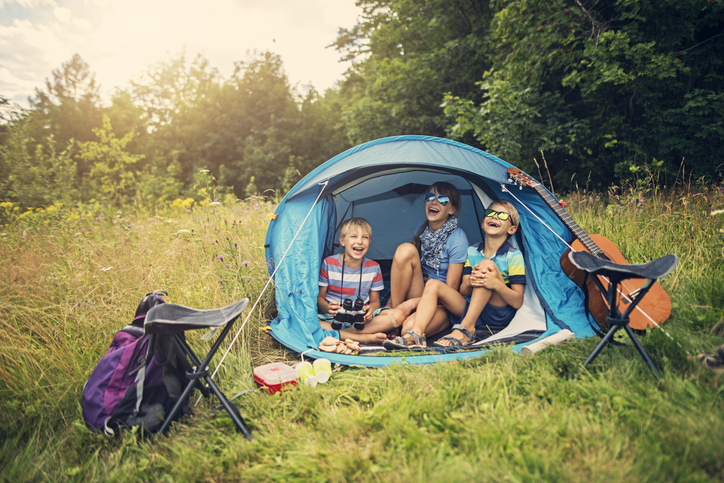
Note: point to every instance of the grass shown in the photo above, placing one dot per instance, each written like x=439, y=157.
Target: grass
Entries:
x=71, y=278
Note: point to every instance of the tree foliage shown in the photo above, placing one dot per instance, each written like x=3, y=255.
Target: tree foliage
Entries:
x=408, y=54
x=595, y=90
x=601, y=87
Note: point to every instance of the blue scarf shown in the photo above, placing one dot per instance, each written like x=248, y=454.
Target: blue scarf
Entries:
x=433, y=242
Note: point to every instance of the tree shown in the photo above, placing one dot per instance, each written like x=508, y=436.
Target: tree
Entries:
x=111, y=177
x=408, y=54
x=34, y=173
x=600, y=87
x=68, y=108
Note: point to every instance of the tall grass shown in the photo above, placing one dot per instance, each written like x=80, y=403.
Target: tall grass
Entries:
x=71, y=278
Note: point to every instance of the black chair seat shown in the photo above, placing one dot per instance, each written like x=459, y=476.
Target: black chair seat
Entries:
x=170, y=318
x=653, y=270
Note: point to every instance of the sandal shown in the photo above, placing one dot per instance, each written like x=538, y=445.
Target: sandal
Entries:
x=454, y=342
x=401, y=342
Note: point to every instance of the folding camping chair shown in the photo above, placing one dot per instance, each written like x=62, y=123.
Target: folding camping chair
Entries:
x=175, y=320
x=616, y=273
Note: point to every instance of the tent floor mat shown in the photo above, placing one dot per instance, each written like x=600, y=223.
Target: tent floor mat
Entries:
x=527, y=336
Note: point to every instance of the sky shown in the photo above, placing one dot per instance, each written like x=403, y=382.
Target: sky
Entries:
x=120, y=39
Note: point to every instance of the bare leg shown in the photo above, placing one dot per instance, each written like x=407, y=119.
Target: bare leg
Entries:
x=406, y=280
x=439, y=321
x=365, y=337
x=437, y=293
x=478, y=300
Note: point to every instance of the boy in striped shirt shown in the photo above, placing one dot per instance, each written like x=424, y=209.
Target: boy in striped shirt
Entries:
x=350, y=275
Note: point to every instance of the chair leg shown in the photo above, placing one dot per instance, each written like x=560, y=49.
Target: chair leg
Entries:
x=641, y=350
x=201, y=372
x=606, y=339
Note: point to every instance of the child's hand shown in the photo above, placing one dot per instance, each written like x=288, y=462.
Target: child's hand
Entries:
x=478, y=275
x=368, y=313
x=333, y=308
x=486, y=274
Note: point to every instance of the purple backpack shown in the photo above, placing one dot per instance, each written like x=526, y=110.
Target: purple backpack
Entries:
x=139, y=379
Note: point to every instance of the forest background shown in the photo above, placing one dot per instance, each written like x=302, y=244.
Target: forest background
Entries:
x=596, y=91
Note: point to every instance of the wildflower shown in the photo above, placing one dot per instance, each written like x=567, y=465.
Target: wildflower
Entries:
x=227, y=265
x=245, y=262
x=234, y=244
x=273, y=216
x=221, y=257
x=638, y=210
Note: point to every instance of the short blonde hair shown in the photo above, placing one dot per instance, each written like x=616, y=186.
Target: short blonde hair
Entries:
x=510, y=209
x=355, y=223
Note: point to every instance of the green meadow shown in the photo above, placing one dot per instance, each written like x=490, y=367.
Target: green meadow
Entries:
x=70, y=277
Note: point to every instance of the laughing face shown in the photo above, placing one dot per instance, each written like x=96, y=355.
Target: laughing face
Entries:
x=436, y=212
x=356, y=243
x=494, y=226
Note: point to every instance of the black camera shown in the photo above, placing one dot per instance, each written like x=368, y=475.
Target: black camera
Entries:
x=351, y=313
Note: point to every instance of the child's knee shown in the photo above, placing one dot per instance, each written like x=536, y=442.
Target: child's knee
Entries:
x=432, y=287
x=406, y=251
x=397, y=317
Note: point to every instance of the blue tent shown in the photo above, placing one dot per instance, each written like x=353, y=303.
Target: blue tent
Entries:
x=383, y=181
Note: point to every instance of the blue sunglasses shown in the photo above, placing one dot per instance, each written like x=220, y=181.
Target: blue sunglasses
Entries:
x=442, y=199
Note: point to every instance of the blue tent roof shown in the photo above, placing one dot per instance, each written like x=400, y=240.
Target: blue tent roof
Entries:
x=382, y=181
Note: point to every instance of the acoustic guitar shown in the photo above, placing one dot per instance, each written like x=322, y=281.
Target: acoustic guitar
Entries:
x=656, y=306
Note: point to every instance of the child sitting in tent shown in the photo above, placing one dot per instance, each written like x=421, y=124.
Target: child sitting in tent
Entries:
x=437, y=250
x=354, y=282
x=493, y=278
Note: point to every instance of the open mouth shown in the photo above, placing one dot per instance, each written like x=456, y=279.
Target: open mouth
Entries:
x=493, y=224
x=358, y=250
x=433, y=211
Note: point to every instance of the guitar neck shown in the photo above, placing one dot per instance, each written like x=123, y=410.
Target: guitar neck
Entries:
x=568, y=221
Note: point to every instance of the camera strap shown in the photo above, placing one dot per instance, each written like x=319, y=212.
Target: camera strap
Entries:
x=341, y=284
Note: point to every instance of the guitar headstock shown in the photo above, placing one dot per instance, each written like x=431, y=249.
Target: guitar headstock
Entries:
x=521, y=179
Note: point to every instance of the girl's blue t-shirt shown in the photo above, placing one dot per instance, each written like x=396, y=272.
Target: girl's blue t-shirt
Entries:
x=456, y=251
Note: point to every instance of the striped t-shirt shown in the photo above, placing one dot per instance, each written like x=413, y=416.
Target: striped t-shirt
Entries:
x=330, y=275
x=508, y=259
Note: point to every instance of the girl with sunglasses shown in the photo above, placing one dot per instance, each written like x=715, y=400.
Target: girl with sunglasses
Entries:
x=437, y=252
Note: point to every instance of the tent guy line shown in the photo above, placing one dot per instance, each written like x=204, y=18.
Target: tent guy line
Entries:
x=271, y=277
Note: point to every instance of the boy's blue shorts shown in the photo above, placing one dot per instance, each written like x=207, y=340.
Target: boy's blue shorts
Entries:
x=491, y=316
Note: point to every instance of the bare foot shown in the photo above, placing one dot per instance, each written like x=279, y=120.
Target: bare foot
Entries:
x=377, y=338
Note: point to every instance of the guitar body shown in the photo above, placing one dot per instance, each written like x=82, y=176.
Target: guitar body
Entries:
x=653, y=309
x=655, y=306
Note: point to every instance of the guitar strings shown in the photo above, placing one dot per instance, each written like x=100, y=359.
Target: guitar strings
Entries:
x=506, y=190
